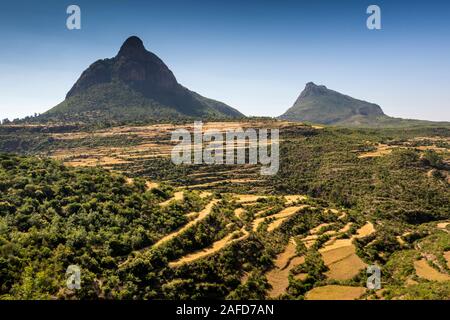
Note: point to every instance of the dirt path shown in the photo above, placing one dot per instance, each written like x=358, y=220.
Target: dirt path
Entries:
x=202, y=214
x=239, y=212
x=179, y=195
x=216, y=246
x=279, y=218
x=342, y=216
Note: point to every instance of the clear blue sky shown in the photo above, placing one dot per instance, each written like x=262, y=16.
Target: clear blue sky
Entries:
x=255, y=55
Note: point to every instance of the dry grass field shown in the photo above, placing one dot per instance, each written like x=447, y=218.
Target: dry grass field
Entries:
x=443, y=225
x=335, y=292
x=365, y=230
x=342, y=261
x=278, y=277
x=447, y=258
x=384, y=149
x=424, y=270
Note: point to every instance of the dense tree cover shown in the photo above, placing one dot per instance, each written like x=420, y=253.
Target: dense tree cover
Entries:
x=393, y=186
x=52, y=216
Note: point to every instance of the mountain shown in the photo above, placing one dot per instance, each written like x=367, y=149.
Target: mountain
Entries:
x=318, y=104
x=135, y=85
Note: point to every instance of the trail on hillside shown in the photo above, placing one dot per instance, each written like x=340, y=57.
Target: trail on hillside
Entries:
x=201, y=215
x=227, y=240
x=178, y=196
x=215, y=247
x=279, y=217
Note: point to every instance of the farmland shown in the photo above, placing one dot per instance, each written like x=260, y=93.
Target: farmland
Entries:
x=111, y=201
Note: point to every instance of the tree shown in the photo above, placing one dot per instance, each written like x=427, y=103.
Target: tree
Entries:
x=432, y=159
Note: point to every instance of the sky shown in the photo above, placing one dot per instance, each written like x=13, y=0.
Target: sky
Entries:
x=254, y=55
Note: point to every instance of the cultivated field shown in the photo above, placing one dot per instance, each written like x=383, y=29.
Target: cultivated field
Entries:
x=334, y=292
x=341, y=201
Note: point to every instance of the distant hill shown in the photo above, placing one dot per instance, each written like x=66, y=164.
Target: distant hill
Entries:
x=134, y=85
x=318, y=104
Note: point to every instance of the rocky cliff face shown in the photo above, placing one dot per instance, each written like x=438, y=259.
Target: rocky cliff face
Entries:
x=142, y=68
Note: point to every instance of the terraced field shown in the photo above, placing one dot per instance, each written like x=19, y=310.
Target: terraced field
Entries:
x=132, y=149
x=334, y=292
x=424, y=270
x=201, y=215
x=230, y=238
x=278, y=278
x=342, y=200
x=276, y=219
x=447, y=258
x=338, y=254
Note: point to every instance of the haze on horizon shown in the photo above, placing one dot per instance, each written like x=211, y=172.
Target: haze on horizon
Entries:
x=256, y=57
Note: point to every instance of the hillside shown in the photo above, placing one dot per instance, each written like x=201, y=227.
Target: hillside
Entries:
x=147, y=229
x=318, y=104
x=134, y=85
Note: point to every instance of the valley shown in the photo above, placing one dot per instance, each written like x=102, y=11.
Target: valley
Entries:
x=343, y=199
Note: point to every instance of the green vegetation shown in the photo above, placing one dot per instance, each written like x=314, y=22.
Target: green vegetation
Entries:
x=394, y=186
x=52, y=216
